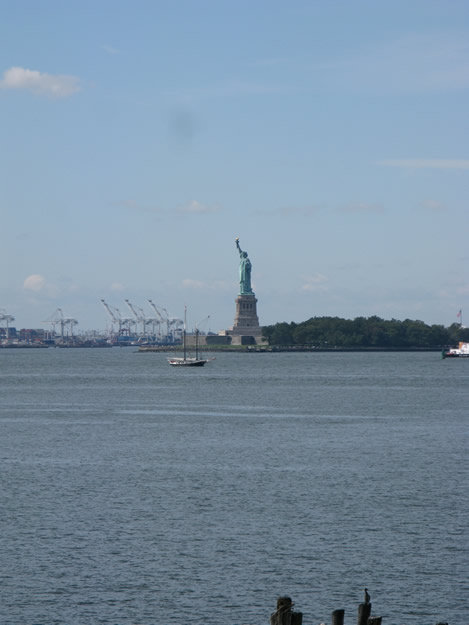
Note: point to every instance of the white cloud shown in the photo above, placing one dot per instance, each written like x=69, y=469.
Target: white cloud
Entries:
x=411, y=63
x=362, y=207
x=110, y=49
x=58, y=86
x=130, y=204
x=315, y=283
x=433, y=206
x=227, y=89
x=197, y=207
x=193, y=207
x=133, y=205
x=426, y=163
x=302, y=211
x=271, y=62
x=188, y=283
x=216, y=285
x=34, y=282
x=117, y=286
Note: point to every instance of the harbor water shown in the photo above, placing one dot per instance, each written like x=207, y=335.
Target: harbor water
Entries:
x=134, y=493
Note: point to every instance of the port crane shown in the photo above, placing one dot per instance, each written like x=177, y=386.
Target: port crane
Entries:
x=7, y=318
x=123, y=323
x=140, y=317
x=58, y=317
x=137, y=315
x=164, y=317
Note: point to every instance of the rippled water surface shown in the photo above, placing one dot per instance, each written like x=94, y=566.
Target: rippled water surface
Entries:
x=136, y=493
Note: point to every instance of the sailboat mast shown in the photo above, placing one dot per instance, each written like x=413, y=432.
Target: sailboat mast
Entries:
x=184, y=333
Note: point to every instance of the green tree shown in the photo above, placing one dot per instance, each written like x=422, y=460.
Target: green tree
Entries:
x=282, y=334
x=364, y=332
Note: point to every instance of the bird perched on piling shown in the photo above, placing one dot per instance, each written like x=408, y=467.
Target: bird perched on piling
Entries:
x=367, y=596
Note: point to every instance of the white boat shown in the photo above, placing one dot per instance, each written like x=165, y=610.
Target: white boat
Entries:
x=462, y=351
x=188, y=361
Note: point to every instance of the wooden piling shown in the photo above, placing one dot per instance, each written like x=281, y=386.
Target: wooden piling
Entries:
x=364, y=611
x=296, y=618
x=337, y=617
x=284, y=614
x=374, y=620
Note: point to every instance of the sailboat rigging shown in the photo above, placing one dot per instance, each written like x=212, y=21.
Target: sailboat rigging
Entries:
x=187, y=361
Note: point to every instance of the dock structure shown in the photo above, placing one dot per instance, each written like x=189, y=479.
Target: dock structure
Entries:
x=285, y=614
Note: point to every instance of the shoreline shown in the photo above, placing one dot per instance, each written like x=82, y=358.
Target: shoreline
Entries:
x=238, y=349
x=250, y=349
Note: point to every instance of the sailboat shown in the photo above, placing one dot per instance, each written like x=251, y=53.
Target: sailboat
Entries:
x=186, y=361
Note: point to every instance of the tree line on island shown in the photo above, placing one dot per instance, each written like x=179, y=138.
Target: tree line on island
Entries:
x=362, y=332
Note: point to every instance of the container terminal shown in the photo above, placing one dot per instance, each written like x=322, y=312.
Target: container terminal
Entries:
x=154, y=327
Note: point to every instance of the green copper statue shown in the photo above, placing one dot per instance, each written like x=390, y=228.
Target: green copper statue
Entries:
x=244, y=272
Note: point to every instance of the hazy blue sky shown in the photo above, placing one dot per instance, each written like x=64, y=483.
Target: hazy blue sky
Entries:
x=138, y=139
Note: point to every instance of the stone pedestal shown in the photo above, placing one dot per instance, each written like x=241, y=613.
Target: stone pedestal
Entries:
x=246, y=329
x=246, y=314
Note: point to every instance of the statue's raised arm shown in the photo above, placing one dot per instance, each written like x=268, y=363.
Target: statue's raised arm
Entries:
x=244, y=271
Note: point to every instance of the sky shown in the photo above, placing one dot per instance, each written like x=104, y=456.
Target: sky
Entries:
x=139, y=139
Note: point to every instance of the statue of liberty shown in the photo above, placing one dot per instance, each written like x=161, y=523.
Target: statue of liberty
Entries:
x=244, y=272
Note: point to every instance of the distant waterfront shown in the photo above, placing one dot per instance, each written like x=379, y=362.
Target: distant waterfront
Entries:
x=317, y=333
x=228, y=349
x=295, y=348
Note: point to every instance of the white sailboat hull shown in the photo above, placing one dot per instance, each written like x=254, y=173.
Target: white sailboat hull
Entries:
x=186, y=362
